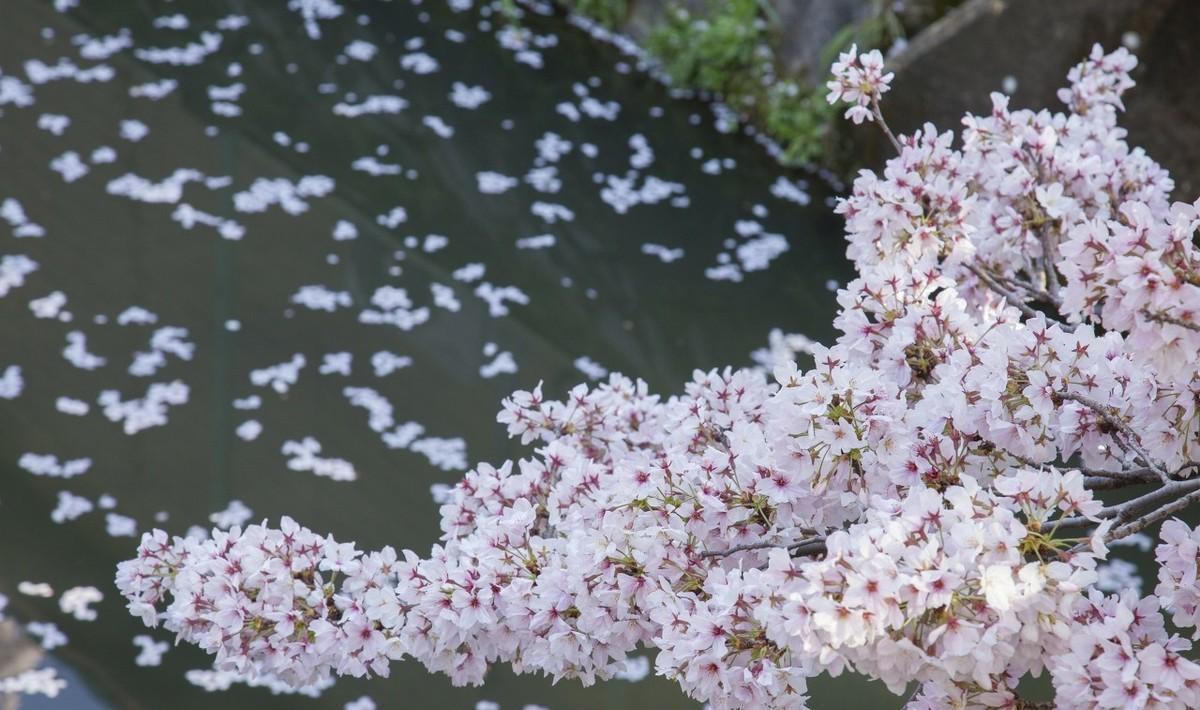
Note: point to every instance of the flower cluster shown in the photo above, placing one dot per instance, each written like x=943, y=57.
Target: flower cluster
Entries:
x=858, y=79
x=921, y=504
x=267, y=601
x=1178, y=588
x=958, y=588
x=1120, y=656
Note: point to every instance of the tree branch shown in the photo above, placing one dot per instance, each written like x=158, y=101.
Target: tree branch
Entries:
x=741, y=548
x=1037, y=293
x=1162, y=317
x=1013, y=299
x=1049, y=256
x=1119, y=424
x=1095, y=479
x=1149, y=519
x=815, y=546
x=1123, y=513
x=1100, y=483
x=809, y=546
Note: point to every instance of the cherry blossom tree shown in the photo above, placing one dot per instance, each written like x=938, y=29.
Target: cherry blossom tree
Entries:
x=1015, y=387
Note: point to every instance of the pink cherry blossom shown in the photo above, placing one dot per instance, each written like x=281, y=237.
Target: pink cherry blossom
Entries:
x=927, y=502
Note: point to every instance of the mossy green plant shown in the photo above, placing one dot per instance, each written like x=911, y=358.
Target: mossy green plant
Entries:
x=727, y=51
x=801, y=121
x=720, y=51
x=609, y=13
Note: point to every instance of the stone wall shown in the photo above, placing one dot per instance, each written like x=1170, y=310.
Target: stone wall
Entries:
x=950, y=66
x=953, y=65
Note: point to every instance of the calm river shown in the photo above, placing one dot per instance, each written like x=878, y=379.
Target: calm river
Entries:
x=294, y=254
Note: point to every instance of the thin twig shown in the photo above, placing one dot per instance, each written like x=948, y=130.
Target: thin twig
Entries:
x=1096, y=479
x=1146, y=521
x=1022, y=460
x=1012, y=298
x=741, y=548
x=883, y=124
x=1162, y=317
x=1120, y=425
x=1040, y=294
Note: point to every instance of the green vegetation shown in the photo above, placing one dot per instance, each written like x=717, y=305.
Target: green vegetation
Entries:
x=509, y=11
x=722, y=51
x=610, y=13
x=728, y=52
x=801, y=121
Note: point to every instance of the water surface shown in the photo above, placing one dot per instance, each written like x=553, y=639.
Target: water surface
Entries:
x=596, y=292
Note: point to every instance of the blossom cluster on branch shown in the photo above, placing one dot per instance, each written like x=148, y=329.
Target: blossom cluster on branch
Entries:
x=922, y=506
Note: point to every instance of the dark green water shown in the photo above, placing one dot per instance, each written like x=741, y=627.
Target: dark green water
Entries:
x=593, y=293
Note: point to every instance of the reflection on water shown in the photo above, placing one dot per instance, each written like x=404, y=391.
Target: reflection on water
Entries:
x=354, y=233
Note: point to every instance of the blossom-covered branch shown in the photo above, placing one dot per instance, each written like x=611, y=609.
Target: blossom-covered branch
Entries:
x=918, y=506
